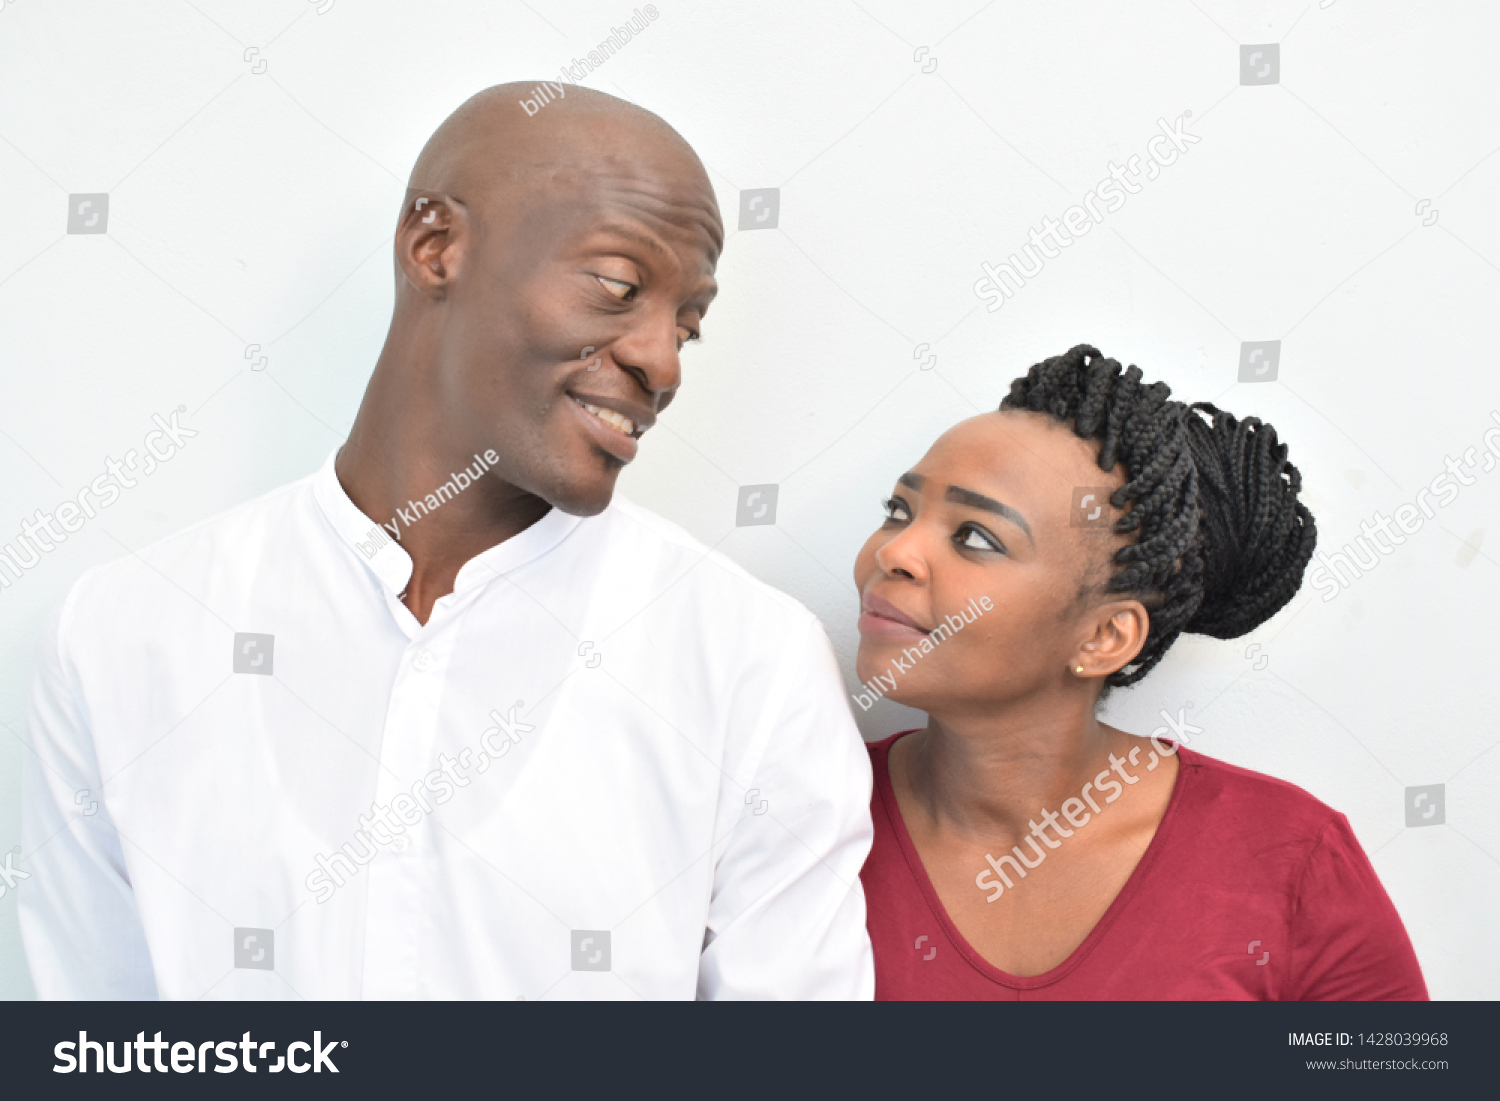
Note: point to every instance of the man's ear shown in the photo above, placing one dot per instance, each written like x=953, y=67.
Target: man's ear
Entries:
x=431, y=241
x=1120, y=630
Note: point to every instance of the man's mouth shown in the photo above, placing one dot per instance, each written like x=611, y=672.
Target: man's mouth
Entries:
x=618, y=421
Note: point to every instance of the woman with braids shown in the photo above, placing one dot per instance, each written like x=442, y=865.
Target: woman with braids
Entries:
x=1037, y=557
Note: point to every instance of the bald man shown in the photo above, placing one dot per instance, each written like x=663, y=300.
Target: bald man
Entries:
x=448, y=718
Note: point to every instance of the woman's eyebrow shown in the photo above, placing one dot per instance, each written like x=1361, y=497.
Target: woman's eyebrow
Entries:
x=911, y=481
x=961, y=496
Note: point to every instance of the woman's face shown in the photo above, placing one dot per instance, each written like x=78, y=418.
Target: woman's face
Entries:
x=997, y=513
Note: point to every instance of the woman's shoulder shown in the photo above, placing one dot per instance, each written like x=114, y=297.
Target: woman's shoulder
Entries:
x=1242, y=794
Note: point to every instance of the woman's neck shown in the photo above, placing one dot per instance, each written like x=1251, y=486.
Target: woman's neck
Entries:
x=992, y=774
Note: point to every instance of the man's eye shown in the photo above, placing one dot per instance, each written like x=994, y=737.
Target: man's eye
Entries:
x=618, y=287
x=895, y=509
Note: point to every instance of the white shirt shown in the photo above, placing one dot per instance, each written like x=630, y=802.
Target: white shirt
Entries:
x=653, y=784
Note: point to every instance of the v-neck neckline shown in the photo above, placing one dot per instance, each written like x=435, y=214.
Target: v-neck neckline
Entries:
x=1075, y=958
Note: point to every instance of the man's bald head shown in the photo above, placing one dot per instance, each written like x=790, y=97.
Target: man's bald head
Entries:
x=553, y=260
x=491, y=146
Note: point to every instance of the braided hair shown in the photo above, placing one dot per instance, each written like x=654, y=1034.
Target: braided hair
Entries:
x=1221, y=540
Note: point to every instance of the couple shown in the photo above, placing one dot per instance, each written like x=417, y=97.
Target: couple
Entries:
x=543, y=744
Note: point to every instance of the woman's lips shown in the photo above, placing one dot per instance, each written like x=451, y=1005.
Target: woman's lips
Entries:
x=876, y=626
x=883, y=619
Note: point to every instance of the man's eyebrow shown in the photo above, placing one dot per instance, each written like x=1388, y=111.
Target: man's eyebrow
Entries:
x=961, y=496
x=630, y=233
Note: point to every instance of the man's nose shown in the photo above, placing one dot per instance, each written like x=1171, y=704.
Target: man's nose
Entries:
x=648, y=353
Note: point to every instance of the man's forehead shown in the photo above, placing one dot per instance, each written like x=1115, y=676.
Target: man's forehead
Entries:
x=677, y=193
x=630, y=209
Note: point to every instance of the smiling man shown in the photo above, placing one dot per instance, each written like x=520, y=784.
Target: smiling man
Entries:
x=447, y=718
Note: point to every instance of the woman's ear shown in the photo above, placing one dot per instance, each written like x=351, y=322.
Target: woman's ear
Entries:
x=1120, y=629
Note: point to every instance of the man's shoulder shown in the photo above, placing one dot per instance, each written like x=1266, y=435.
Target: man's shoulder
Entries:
x=697, y=569
x=212, y=547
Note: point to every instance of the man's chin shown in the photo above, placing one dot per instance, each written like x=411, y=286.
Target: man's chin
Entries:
x=586, y=497
x=577, y=477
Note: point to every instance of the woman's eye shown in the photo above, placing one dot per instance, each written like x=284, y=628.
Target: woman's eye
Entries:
x=895, y=509
x=684, y=335
x=618, y=287
x=974, y=539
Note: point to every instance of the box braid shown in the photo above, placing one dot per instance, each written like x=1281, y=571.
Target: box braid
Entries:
x=1221, y=540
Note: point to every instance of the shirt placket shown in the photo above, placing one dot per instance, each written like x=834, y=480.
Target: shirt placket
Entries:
x=399, y=939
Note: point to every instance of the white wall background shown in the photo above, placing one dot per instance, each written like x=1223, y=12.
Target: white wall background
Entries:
x=255, y=209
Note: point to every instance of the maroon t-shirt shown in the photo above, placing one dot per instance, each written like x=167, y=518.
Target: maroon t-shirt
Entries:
x=1250, y=890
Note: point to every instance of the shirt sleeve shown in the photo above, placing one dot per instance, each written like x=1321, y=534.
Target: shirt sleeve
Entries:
x=787, y=918
x=79, y=923
x=1348, y=943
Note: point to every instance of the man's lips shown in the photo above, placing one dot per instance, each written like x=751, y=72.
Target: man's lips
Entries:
x=626, y=417
x=881, y=617
x=614, y=425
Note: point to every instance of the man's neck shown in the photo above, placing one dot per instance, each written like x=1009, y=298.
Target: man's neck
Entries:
x=396, y=468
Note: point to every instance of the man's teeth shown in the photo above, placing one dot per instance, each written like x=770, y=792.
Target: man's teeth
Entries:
x=611, y=418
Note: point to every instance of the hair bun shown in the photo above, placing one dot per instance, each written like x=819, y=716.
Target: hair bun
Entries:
x=1255, y=536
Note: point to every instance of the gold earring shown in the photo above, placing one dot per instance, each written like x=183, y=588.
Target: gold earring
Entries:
x=1079, y=669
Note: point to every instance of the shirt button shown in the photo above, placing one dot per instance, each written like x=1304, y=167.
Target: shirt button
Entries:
x=421, y=661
